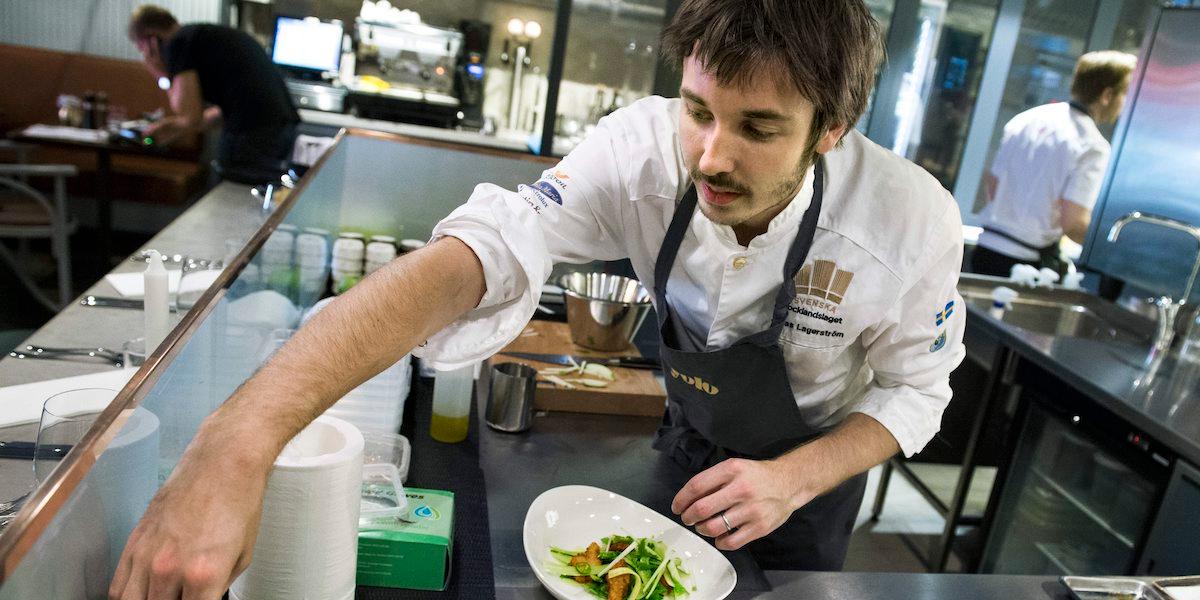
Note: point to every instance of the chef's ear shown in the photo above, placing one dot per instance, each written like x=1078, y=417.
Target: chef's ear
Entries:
x=832, y=136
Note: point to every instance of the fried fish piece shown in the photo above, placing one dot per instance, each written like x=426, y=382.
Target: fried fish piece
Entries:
x=618, y=587
x=590, y=556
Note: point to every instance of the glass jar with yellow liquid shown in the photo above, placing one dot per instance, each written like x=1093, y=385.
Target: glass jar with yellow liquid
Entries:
x=452, y=404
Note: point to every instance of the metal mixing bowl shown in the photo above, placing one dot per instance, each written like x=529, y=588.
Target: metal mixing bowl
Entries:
x=604, y=311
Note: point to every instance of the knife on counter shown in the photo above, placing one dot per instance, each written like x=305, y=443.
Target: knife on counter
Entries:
x=627, y=362
x=107, y=302
x=25, y=450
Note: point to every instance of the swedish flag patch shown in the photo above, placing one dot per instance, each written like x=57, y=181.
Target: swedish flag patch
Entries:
x=943, y=315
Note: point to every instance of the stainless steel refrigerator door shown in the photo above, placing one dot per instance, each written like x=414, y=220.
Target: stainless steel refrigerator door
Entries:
x=1156, y=163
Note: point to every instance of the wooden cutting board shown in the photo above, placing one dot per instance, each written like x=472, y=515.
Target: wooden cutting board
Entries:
x=635, y=391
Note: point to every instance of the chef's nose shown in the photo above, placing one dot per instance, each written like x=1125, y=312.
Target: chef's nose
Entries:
x=718, y=153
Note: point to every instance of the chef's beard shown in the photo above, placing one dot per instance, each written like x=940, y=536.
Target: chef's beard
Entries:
x=778, y=196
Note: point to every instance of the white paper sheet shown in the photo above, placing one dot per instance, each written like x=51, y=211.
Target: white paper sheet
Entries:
x=131, y=285
x=23, y=403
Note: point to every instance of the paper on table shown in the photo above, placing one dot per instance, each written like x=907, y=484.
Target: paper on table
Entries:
x=59, y=132
x=23, y=403
x=130, y=285
x=1191, y=592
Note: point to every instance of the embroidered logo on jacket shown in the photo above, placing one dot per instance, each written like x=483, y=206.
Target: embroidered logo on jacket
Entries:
x=938, y=343
x=822, y=284
x=549, y=189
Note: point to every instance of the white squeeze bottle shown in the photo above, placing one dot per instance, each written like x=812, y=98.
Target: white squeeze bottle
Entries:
x=452, y=404
x=156, y=303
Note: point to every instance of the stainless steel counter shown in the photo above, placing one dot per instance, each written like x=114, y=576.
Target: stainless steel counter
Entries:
x=614, y=453
x=228, y=212
x=867, y=586
x=339, y=120
x=1164, y=404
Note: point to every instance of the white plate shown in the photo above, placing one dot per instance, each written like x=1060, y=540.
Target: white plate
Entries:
x=573, y=516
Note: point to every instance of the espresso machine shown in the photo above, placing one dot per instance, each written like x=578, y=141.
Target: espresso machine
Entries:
x=407, y=72
x=469, y=76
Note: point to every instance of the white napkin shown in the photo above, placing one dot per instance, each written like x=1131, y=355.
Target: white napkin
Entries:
x=59, y=132
x=130, y=285
x=23, y=403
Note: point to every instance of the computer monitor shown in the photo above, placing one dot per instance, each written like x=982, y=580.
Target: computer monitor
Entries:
x=307, y=44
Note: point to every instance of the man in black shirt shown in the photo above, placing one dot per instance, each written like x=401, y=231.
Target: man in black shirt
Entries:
x=218, y=74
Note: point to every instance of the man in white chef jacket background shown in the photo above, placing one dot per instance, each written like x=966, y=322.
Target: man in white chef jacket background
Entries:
x=790, y=256
x=1049, y=168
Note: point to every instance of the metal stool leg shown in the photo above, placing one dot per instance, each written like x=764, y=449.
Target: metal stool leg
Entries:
x=885, y=477
x=61, y=242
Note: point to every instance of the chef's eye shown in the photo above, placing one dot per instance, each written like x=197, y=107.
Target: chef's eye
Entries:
x=757, y=134
x=700, y=116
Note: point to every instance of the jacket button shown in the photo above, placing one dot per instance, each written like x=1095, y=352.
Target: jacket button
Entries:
x=739, y=262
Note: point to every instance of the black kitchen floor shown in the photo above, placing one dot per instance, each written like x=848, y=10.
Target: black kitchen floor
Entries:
x=909, y=527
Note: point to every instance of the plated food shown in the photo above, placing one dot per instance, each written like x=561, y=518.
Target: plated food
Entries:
x=623, y=568
x=566, y=521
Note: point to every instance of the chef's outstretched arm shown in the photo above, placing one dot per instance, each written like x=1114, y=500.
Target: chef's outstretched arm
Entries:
x=198, y=533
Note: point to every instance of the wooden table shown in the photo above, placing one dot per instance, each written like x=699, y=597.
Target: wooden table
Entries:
x=104, y=150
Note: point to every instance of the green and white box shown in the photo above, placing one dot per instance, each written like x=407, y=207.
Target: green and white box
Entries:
x=412, y=551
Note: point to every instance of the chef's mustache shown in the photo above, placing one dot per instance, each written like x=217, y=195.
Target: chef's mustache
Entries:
x=721, y=180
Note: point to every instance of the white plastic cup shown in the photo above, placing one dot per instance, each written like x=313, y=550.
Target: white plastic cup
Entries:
x=452, y=404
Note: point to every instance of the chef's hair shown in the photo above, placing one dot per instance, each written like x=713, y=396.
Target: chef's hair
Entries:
x=1098, y=71
x=828, y=50
x=148, y=20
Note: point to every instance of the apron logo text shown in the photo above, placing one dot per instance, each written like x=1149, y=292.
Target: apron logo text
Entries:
x=696, y=382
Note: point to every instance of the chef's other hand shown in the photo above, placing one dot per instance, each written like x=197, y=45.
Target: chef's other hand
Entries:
x=197, y=534
x=755, y=496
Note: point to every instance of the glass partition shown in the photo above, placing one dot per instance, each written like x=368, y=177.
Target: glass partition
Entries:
x=65, y=542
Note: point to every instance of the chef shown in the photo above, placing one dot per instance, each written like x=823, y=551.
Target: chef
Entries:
x=804, y=280
x=1049, y=168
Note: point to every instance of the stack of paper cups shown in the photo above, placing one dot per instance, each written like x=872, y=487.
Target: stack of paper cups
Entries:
x=380, y=252
x=312, y=256
x=308, y=539
x=277, y=254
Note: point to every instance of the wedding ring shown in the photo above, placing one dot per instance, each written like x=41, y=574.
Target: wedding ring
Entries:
x=728, y=527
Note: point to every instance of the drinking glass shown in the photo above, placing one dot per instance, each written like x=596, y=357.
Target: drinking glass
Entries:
x=66, y=418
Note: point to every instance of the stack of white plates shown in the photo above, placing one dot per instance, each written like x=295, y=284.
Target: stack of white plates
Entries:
x=378, y=404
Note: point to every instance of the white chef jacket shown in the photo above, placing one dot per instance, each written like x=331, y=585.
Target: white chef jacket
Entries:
x=876, y=326
x=1047, y=153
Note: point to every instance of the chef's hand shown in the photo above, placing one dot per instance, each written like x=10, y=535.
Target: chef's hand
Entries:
x=755, y=496
x=198, y=533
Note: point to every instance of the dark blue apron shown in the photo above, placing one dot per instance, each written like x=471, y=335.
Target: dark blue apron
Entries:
x=738, y=402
